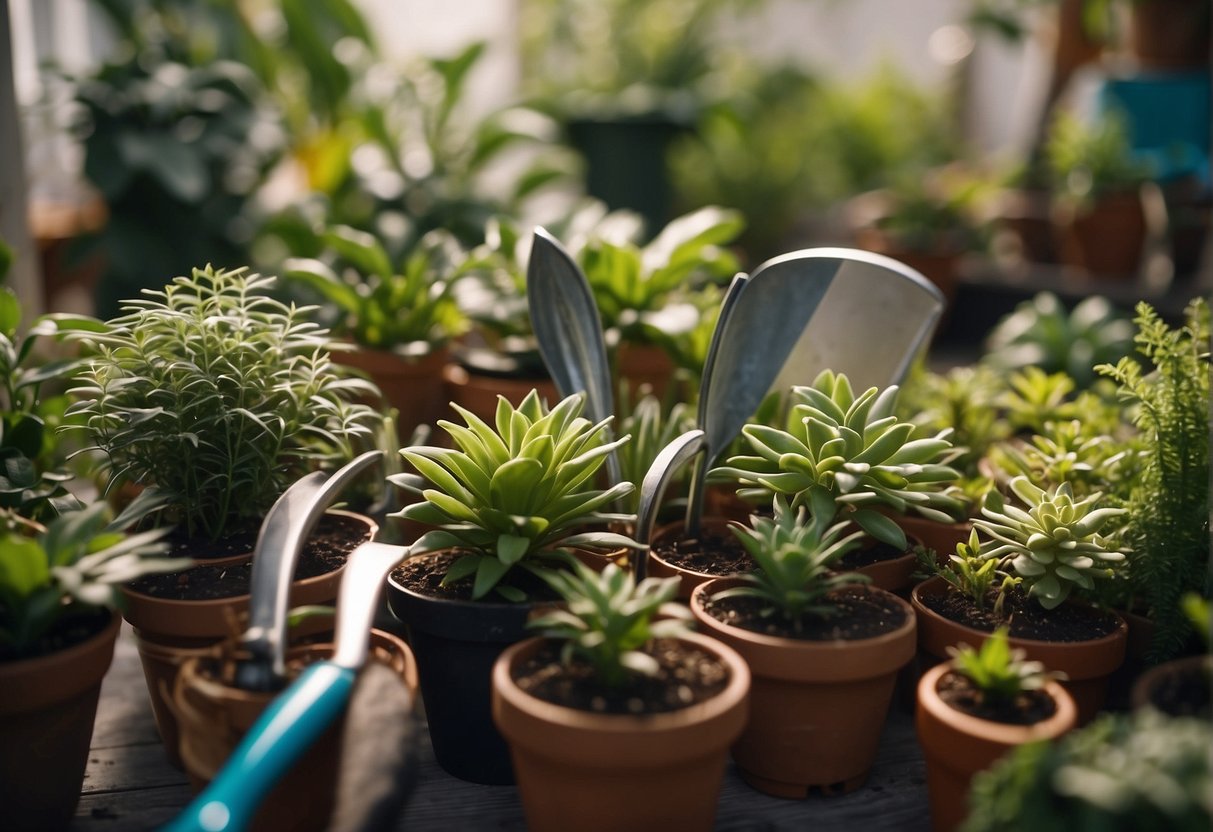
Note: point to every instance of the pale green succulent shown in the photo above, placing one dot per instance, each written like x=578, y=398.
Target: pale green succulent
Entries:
x=854, y=450
x=1054, y=545
x=515, y=495
x=1066, y=452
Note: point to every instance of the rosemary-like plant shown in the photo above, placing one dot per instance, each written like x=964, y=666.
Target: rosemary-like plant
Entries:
x=1168, y=511
x=610, y=618
x=218, y=396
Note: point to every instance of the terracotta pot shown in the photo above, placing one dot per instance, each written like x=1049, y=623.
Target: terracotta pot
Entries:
x=657, y=567
x=1087, y=664
x=1106, y=240
x=478, y=392
x=455, y=644
x=640, y=364
x=1149, y=683
x=1169, y=34
x=413, y=386
x=47, y=708
x=169, y=631
x=214, y=717
x=817, y=708
x=942, y=537
x=722, y=501
x=1028, y=215
x=606, y=772
x=893, y=574
x=957, y=746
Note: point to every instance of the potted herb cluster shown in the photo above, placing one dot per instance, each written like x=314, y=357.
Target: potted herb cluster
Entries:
x=58, y=625
x=975, y=708
x=823, y=651
x=615, y=720
x=216, y=398
x=507, y=504
x=1046, y=555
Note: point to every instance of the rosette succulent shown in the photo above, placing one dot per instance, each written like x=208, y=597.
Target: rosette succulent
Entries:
x=513, y=494
x=1054, y=544
x=854, y=451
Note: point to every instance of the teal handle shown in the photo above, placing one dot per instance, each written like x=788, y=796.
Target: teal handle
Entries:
x=286, y=729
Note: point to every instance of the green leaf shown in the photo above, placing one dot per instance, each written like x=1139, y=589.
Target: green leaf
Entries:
x=488, y=573
x=23, y=567
x=880, y=527
x=511, y=548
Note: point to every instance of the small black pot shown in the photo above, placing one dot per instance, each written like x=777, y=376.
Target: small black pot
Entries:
x=456, y=644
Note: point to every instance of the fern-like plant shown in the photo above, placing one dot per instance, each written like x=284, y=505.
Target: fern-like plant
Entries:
x=610, y=619
x=853, y=451
x=1168, y=519
x=514, y=494
x=218, y=396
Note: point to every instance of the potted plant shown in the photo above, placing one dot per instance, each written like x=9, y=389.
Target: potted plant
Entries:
x=975, y=708
x=1098, y=210
x=1122, y=772
x=614, y=720
x=398, y=313
x=1181, y=687
x=58, y=626
x=1044, y=552
x=506, y=504
x=823, y=651
x=851, y=451
x=217, y=397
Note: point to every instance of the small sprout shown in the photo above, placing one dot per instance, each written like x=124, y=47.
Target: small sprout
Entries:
x=997, y=670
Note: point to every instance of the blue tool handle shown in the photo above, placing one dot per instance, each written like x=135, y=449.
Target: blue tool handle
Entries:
x=287, y=728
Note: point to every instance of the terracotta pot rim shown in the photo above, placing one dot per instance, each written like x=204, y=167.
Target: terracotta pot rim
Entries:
x=35, y=663
x=926, y=587
x=999, y=732
x=82, y=654
x=661, y=533
x=763, y=640
x=588, y=721
x=1139, y=696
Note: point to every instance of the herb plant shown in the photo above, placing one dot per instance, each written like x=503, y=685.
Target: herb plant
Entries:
x=974, y=576
x=513, y=494
x=1033, y=398
x=996, y=670
x=1067, y=452
x=218, y=396
x=69, y=568
x=795, y=559
x=1168, y=508
x=1054, y=545
x=610, y=619
x=850, y=452
x=651, y=430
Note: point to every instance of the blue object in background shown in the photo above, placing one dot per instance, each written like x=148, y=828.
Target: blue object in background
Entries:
x=1168, y=117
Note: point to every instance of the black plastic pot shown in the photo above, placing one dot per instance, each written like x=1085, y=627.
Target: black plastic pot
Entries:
x=456, y=644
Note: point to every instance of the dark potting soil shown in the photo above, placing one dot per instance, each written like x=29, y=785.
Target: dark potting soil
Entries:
x=869, y=552
x=328, y=546
x=1026, y=618
x=68, y=631
x=423, y=575
x=1026, y=708
x=713, y=552
x=686, y=676
x=1184, y=693
x=858, y=614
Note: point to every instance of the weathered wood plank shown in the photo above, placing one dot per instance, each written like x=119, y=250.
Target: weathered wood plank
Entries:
x=129, y=811
x=128, y=767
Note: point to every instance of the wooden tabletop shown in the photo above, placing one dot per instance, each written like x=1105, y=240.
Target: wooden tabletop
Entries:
x=130, y=785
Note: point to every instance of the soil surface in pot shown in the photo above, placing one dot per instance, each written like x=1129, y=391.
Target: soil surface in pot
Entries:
x=686, y=676
x=858, y=614
x=69, y=630
x=872, y=551
x=1026, y=708
x=424, y=574
x=1026, y=618
x=1184, y=693
x=711, y=553
x=328, y=546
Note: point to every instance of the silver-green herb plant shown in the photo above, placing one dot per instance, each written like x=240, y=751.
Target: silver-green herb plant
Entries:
x=518, y=493
x=218, y=396
x=852, y=451
x=70, y=567
x=609, y=620
x=1053, y=544
x=796, y=559
x=998, y=671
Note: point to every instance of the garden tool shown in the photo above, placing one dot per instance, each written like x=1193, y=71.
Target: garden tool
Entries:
x=279, y=542
x=303, y=712
x=672, y=457
x=569, y=330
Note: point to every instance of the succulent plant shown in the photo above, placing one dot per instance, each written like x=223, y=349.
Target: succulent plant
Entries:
x=610, y=618
x=974, y=576
x=795, y=559
x=998, y=671
x=515, y=495
x=1054, y=545
x=651, y=430
x=1034, y=398
x=1066, y=452
x=852, y=450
